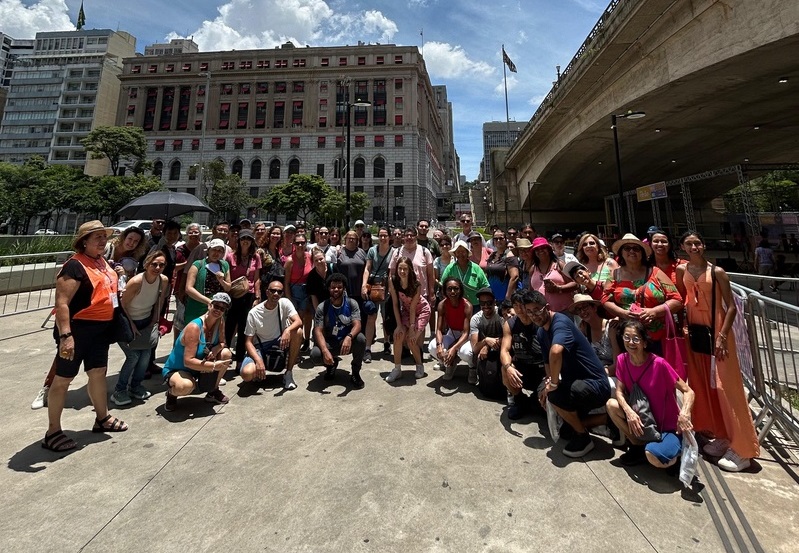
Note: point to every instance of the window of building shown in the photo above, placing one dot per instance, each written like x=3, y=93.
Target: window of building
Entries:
x=133, y=93
x=339, y=141
x=398, y=103
x=398, y=141
x=257, y=143
x=342, y=61
x=298, y=86
x=204, y=66
x=360, y=141
x=255, y=169
x=274, y=169
x=379, y=191
x=247, y=64
x=238, y=143
x=159, y=145
x=397, y=84
x=294, y=142
x=279, y=115
x=338, y=168
x=177, y=145
x=244, y=88
x=281, y=63
x=201, y=90
x=358, y=189
x=228, y=65
x=296, y=114
x=220, y=143
x=399, y=191
x=325, y=62
x=323, y=87
x=170, y=68
x=195, y=144
x=360, y=168
x=323, y=122
x=174, y=171
x=320, y=169
x=294, y=167
x=280, y=87
x=135, y=69
x=186, y=67
x=237, y=168
x=158, y=169
x=200, y=107
x=263, y=64
x=198, y=124
x=262, y=88
x=227, y=88
x=380, y=60
x=379, y=168
x=398, y=59
x=153, y=69
x=241, y=121
x=379, y=141
x=361, y=60
x=398, y=120
x=260, y=115
x=276, y=141
x=224, y=115
x=320, y=142
x=398, y=170
x=323, y=104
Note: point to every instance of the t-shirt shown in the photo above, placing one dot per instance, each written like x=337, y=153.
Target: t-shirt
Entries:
x=580, y=361
x=656, y=379
x=264, y=324
x=322, y=318
x=74, y=270
x=497, y=272
x=351, y=263
x=379, y=262
x=316, y=285
x=486, y=327
x=241, y=269
x=431, y=245
x=525, y=347
x=472, y=279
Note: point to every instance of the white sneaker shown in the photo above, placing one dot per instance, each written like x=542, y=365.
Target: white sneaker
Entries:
x=419, y=371
x=717, y=447
x=396, y=374
x=449, y=372
x=732, y=462
x=41, y=398
x=288, y=381
x=222, y=381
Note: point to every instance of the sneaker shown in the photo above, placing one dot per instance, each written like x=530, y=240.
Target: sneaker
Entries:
x=617, y=439
x=171, y=402
x=717, y=447
x=306, y=346
x=396, y=374
x=367, y=356
x=472, y=376
x=357, y=382
x=330, y=373
x=120, y=398
x=222, y=381
x=732, y=462
x=635, y=455
x=419, y=371
x=288, y=381
x=216, y=397
x=510, y=399
x=41, y=398
x=519, y=408
x=566, y=432
x=579, y=445
x=449, y=372
x=140, y=392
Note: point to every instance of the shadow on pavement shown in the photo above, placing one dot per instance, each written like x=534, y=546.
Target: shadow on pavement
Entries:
x=33, y=458
x=188, y=407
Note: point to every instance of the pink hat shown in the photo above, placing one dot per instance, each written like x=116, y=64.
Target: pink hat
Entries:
x=541, y=242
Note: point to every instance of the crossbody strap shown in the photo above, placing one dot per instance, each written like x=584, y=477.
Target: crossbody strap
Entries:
x=712, y=304
x=279, y=325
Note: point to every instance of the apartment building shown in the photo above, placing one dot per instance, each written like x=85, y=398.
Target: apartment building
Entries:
x=268, y=114
x=497, y=134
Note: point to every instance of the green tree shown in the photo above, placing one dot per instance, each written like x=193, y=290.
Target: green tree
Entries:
x=302, y=196
x=117, y=144
x=774, y=191
x=213, y=172
x=228, y=197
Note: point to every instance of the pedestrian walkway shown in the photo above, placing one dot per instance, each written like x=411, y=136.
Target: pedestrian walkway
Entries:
x=423, y=465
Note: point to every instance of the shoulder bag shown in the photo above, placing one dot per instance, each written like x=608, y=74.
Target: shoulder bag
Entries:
x=375, y=284
x=674, y=346
x=149, y=335
x=702, y=337
x=640, y=404
x=273, y=356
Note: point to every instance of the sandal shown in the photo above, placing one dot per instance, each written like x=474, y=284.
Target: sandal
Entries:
x=58, y=441
x=115, y=425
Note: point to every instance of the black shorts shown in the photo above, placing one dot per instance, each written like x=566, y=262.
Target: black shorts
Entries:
x=579, y=396
x=532, y=375
x=91, y=348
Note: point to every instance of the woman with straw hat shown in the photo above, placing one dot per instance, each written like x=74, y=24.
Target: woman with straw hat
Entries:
x=86, y=297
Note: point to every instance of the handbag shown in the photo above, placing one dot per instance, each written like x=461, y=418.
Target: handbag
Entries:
x=239, y=287
x=640, y=404
x=702, y=337
x=121, y=327
x=147, y=338
x=674, y=346
x=274, y=357
x=377, y=290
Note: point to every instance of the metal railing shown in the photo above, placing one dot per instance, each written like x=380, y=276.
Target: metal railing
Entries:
x=27, y=282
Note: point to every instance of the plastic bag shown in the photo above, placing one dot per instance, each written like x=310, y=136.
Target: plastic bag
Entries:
x=690, y=458
x=554, y=421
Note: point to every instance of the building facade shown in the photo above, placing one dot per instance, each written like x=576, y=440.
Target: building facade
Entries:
x=445, y=206
x=66, y=86
x=497, y=134
x=174, y=46
x=268, y=114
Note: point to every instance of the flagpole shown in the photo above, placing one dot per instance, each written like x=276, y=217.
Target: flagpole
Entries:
x=505, y=80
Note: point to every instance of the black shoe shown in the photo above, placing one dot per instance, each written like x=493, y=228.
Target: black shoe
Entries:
x=330, y=373
x=673, y=470
x=357, y=382
x=171, y=402
x=306, y=346
x=617, y=439
x=635, y=456
x=567, y=432
x=386, y=348
x=579, y=445
x=520, y=407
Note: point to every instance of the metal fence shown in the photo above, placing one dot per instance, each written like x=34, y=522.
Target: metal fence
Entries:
x=27, y=282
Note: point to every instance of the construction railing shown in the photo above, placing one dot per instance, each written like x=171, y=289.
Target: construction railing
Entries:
x=27, y=282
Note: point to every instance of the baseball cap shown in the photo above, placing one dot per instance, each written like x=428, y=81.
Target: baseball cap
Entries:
x=216, y=243
x=221, y=297
x=359, y=222
x=572, y=266
x=289, y=228
x=485, y=291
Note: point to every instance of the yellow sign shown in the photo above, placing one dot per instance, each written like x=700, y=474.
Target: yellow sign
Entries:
x=650, y=192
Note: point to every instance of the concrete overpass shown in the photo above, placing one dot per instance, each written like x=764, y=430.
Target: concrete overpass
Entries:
x=718, y=81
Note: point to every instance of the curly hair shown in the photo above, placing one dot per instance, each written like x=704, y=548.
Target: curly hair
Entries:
x=140, y=250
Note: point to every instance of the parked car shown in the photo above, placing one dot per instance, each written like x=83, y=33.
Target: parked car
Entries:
x=143, y=224
x=45, y=231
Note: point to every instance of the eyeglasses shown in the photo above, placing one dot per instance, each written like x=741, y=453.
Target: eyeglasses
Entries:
x=631, y=339
x=323, y=233
x=630, y=248
x=466, y=221
x=301, y=244
x=278, y=291
x=156, y=265
x=499, y=238
x=424, y=226
x=536, y=312
x=445, y=245
x=219, y=306
x=486, y=303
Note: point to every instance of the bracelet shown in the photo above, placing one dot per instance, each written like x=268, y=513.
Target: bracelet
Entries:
x=65, y=335
x=552, y=386
x=722, y=336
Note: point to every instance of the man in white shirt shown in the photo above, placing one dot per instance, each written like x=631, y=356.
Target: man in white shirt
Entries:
x=274, y=336
x=559, y=246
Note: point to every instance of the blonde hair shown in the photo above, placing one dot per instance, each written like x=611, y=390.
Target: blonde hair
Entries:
x=602, y=254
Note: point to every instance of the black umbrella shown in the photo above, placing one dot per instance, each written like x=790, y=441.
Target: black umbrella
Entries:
x=163, y=204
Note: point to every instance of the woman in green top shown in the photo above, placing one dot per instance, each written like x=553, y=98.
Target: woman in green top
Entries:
x=466, y=271
x=205, y=278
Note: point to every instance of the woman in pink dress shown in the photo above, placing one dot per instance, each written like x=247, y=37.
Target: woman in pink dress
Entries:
x=412, y=313
x=546, y=277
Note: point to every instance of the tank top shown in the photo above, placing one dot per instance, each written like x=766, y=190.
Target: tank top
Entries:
x=299, y=273
x=141, y=307
x=455, y=315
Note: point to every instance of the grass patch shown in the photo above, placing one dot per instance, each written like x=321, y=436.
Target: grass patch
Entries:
x=45, y=244
x=790, y=395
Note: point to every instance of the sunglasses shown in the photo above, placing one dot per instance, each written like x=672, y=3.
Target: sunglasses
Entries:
x=630, y=248
x=324, y=233
x=156, y=264
x=277, y=291
x=300, y=243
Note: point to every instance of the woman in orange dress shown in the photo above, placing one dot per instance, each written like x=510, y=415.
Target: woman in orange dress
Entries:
x=721, y=407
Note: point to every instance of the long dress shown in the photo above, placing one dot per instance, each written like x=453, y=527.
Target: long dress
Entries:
x=723, y=410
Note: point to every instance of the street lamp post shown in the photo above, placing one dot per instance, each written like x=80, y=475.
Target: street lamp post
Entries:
x=613, y=118
x=201, y=169
x=385, y=215
x=530, y=200
x=348, y=201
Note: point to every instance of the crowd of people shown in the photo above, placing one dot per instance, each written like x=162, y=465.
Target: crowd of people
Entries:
x=580, y=338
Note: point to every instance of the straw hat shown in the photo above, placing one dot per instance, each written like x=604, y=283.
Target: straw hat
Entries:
x=86, y=229
x=630, y=238
x=523, y=244
x=580, y=299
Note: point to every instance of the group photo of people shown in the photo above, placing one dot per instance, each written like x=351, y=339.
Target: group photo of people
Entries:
x=628, y=341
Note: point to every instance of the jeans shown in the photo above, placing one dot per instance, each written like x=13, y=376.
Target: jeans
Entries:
x=136, y=363
x=236, y=322
x=464, y=352
x=357, y=349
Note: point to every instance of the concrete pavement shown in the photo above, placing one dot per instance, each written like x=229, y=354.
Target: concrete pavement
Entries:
x=421, y=465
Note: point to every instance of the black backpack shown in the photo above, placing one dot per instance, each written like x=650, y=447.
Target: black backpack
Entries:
x=489, y=370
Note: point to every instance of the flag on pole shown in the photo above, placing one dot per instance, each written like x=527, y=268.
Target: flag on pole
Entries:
x=508, y=62
x=81, y=18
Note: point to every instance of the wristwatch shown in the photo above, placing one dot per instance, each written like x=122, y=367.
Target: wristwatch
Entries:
x=65, y=335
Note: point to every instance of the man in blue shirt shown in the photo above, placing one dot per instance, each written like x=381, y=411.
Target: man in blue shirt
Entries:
x=577, y=381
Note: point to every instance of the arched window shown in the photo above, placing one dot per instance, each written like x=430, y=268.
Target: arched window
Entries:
x=238, y=168
x=294, y=167
x=380, y=168
x=255, y=170
x=360, y=168
x=274, y=169
x=158, y=169
x=338, y=168
x=174, y=171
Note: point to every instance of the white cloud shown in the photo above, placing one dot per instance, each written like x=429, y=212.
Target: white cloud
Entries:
x=21, y=21
x=513, y=82
x=245, y=24
x=593, y=6
x=445, y=61
x=522, y=38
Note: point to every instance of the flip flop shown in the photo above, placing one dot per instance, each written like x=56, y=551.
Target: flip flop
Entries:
x=58, y=441
x=116, y=425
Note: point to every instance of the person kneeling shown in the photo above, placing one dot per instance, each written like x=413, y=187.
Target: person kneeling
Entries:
x=273, y=334
x=200, y=356
x=655, y=440
x=337, y=331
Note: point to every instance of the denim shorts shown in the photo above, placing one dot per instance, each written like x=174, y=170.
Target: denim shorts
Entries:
x=299, y=297
x=247, y=359
x=669, y=447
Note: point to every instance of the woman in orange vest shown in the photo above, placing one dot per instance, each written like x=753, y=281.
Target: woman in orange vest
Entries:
x=86, y=296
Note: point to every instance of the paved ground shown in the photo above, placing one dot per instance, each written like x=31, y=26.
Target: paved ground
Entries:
x=420, y=466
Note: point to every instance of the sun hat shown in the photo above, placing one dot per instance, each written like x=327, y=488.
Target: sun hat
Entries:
x=86, y=229
x=459, y=244
x=541, y=242
x=580, y=299
x=221, y=297
x=573, y=266
x=216, y=243
x=630, y=238
x=523, y=243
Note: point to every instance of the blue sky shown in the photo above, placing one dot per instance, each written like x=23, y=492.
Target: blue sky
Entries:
x=462, y=39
